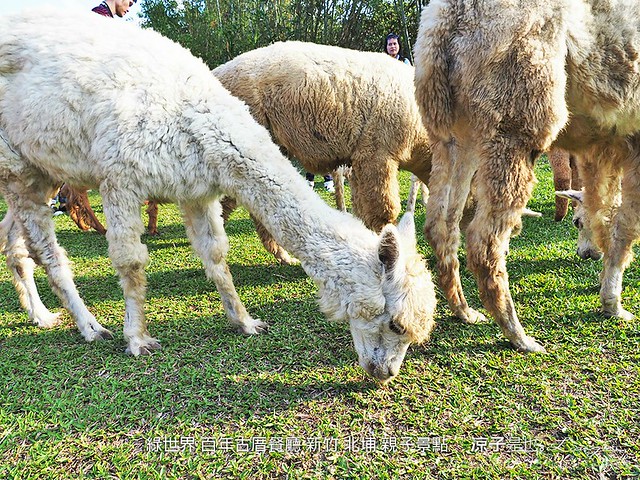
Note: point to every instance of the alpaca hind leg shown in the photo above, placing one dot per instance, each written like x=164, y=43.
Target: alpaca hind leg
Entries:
x=502, y=190
x=129, y=257
x=228, y=206
x=424, y=194
x=80, y=210
x=601, y=193
x=35, y=220
x=413, y=194
x=205, y=230
x=624, y=230
x=22, y=268
x=449, y=187
x=338, y=181
x=271, y=245
x=74, y=207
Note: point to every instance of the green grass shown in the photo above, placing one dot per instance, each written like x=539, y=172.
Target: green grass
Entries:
x=293, y=403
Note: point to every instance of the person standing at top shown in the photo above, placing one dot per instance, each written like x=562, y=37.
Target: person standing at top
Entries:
x=109, y=8
x=393, y=48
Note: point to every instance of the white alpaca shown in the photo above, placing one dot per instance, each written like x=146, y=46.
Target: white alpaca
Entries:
x=150, y=121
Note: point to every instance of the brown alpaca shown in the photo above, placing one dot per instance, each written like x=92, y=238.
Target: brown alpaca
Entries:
x=499, y=82
x=84, y=217
x=80, y=210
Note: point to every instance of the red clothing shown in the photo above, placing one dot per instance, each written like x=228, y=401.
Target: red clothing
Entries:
x=103, y=9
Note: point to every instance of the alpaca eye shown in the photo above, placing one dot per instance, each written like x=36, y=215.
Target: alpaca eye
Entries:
x=397, y=329
x=577, y=222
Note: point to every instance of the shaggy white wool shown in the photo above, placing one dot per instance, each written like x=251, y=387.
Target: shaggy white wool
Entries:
x=97, y=103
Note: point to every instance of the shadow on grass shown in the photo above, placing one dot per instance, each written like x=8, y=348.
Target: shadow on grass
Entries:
x=167, y=284
x=205, y=370
x=207, y=373
x=92, y=244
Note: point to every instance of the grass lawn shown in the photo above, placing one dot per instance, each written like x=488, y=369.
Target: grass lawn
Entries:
x=293, y=403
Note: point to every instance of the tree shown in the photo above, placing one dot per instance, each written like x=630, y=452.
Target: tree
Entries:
x=218, y=30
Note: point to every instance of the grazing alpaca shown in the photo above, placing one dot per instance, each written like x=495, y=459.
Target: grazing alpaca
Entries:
x=168, y=130
x=498, y=82
x=330, y=106
x=586, y=249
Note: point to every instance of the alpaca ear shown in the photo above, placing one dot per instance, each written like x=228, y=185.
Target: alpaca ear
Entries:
x=577, y=195
x=389, y=248
x=407, y=231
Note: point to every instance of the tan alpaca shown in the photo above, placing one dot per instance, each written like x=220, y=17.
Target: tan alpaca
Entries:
x=498, y=82
x=328, y=107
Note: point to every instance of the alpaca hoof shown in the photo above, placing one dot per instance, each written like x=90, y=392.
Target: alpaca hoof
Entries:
x=285, y=259
x=46, y=320
x=528, y=345
x=254, y=327
x=471, y=316
x=143, y=347
x=619, y=313
x=94, y=333
x=104, y=334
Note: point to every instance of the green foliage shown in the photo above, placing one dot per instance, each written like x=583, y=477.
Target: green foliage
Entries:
x=71, y=409
x=218, y=30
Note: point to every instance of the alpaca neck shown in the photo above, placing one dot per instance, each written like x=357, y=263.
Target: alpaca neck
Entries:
x=300, y=221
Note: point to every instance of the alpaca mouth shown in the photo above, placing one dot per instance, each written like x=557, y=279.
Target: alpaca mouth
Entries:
x=590, y=254
x=381, y=372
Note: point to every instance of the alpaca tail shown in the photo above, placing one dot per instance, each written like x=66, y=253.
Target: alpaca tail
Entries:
x=433, y=91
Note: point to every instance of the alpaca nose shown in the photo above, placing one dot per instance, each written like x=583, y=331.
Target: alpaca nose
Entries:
x=382, y=373
x=589, y=253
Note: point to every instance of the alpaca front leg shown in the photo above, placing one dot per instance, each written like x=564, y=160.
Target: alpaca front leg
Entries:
x=152, y=213
x=22, y=268
x=449, y=187
x=129, y=257
x=499, y=204
x=375, y=193
x=624, y=230
x=205, y=230
x=34, y=216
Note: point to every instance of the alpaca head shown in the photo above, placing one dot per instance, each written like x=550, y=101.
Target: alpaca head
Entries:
x=587, y=248
x=394, y=307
